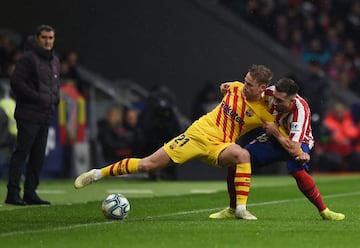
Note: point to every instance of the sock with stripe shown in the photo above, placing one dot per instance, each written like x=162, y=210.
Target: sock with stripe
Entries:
x=242, y=184
x=308, y=187
x=122, y=167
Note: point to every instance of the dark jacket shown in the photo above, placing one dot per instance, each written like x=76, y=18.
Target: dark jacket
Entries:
x=35, y=84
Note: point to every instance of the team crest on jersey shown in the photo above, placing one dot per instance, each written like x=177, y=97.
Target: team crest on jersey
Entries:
x=249, y=113
x=295, y=127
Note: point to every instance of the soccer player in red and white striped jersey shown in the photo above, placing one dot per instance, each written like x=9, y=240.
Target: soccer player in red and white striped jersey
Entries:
x=294, y=118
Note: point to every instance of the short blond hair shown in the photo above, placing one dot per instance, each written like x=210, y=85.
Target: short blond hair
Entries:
x=261, y=74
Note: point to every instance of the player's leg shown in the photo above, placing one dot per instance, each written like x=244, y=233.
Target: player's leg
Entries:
x=242, y=182
x=228, y=212
x=261, y=151
x=235, y=154
x=178, y=150
x=157, y=160
x=308, y=187
x=231, y=186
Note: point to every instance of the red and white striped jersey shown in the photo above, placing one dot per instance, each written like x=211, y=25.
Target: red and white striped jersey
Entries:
x=296, y=122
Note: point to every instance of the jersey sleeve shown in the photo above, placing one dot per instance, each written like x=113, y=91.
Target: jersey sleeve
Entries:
x=300, y=121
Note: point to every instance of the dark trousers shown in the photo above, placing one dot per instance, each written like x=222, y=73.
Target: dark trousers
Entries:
x=31, y=145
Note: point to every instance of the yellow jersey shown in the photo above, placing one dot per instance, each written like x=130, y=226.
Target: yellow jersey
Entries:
x=207, y=137
x=234, y=116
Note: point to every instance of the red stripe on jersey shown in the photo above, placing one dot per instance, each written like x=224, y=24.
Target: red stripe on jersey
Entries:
x=234, y=107
x=296, y=115
x=111, y=169
x=218, y=117
x=225, y=117
x=242, y=114
x=306, y=129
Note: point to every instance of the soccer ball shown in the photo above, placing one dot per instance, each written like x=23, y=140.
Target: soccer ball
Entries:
x=116, y=206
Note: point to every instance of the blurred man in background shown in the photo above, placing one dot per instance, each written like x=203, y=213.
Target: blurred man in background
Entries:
x=35, y=84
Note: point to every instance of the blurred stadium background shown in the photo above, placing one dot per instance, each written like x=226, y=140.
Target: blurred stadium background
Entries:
x=127, y=48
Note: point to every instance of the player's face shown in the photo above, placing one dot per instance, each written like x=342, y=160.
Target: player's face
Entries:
x=282, y=102
x=46, y=39
x=252, y=90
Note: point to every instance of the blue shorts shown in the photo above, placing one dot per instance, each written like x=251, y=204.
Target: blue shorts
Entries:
x=265, y=150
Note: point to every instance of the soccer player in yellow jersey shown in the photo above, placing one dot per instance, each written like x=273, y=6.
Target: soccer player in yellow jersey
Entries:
x=294, y=117
x=211, y=138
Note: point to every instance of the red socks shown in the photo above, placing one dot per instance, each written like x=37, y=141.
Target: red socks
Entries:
x=308, y=187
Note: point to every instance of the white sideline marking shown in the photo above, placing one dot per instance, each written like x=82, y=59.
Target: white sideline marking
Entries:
x=51, y=191
x=203, y=191
x=127, y=191
x=70, y=227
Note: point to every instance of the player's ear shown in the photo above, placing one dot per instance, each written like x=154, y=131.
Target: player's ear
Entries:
x=263, y=87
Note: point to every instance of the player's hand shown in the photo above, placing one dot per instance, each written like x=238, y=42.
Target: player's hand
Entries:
x=303, y=158
x=224, y=87
x=271, y=129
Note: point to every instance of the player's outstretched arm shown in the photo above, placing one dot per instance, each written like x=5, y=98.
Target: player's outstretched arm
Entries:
x=292, y=147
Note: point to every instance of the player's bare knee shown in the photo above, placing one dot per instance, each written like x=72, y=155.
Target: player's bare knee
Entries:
x=242, y=156
x=144, y=166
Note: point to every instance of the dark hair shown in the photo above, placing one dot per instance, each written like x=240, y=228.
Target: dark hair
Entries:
x=287, y=85
x=43, y=27
x=261, y=74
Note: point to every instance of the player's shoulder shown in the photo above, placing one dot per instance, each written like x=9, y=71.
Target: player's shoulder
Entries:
x=301, y=101
x=234, y=85
x=233, y=82
x=301, y=105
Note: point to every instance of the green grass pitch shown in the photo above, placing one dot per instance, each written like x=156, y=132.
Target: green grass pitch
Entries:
x=175, y=214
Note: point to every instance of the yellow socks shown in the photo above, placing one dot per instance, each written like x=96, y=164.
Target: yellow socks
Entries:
x=122, y=167
x=242, y=183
